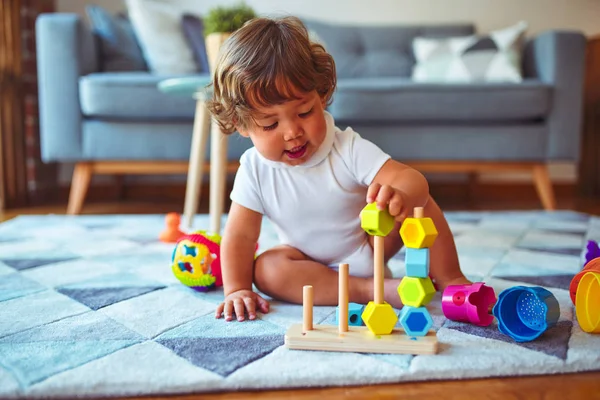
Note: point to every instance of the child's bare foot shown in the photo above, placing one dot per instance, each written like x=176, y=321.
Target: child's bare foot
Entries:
x=461, y=280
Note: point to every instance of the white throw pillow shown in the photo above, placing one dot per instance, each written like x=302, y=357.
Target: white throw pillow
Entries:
x=157, y=25
x=495, y=57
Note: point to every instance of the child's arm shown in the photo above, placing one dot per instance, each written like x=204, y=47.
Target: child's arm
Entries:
x=238, y=247
x=399, y=187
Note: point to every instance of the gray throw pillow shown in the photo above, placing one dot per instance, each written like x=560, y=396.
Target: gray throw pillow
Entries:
x=118, y=45
x=193, y=30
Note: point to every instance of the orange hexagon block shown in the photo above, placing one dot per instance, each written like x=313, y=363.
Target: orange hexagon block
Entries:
x=376, y=222
x=379, y=318
x=415, y=292
x=418, y=233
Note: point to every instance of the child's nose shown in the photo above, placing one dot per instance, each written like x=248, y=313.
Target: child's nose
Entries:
x=292, y=132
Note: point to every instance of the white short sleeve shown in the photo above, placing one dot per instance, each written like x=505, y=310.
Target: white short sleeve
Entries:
x=245, y=190
x=363, y=157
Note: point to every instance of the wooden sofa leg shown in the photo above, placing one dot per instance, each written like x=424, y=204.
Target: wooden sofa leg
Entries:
x=543, y=185
x=82, y=176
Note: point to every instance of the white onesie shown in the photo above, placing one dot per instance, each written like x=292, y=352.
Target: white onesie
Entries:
x=315, y=206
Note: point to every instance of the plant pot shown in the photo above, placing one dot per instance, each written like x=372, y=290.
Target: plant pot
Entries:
x=213, y=42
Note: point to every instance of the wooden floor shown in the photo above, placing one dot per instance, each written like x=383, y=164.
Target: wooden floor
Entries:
x=569, y=386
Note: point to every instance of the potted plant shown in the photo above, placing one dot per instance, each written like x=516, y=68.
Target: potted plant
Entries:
x=219, y=23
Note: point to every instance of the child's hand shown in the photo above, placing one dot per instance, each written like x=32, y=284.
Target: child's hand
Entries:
x=388, y=197
x=241, y=302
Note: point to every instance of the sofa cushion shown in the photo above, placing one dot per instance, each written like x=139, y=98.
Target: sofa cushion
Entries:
x=131, y=95
x=376, y=51
x=400, y=99
x=119, y=48
x=493, y=57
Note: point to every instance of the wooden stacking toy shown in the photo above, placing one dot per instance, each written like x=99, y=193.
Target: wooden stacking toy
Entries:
x=416, y=289
x=379, y=335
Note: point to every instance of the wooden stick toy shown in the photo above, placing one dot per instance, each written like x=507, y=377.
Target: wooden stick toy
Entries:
x=380, y=334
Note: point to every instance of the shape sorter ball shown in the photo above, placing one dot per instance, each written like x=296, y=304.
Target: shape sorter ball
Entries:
x=196, y=261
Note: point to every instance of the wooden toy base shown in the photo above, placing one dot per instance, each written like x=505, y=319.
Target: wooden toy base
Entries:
x=359, y=339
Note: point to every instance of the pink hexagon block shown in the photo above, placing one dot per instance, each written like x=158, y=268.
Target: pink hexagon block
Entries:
x=469, y=303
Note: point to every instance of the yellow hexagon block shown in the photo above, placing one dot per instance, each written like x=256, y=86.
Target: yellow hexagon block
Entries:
x=376, y=222
x=379, y=318
x=418, y=233
x=415, y=292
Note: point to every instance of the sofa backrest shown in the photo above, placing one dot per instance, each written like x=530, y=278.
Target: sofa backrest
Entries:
x=370, y=51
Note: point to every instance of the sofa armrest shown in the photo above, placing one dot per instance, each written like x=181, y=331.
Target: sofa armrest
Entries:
x=66, y=50
x=558, y=58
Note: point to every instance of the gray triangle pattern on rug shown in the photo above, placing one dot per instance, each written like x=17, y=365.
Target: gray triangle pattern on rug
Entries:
x=96, y=298
x=223, y=355
x=553, y=281
x=554, y=342
x=22, y=264
x=551, y=250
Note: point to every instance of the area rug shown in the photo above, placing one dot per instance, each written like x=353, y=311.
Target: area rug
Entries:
x=90, y=307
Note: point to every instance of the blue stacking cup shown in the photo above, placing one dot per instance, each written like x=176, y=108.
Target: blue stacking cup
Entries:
x=524, y=313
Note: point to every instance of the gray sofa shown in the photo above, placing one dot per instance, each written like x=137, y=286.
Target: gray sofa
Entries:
x=96, y=118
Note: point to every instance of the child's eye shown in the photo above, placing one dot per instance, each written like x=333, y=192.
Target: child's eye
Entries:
x=306, y=114
x=270, y=127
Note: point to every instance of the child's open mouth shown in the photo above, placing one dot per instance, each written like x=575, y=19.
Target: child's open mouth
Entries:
x=296, y=152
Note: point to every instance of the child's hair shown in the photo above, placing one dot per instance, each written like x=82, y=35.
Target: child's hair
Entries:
x=265, y=63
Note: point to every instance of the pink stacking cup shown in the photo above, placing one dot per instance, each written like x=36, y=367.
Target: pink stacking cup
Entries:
x=469, y=303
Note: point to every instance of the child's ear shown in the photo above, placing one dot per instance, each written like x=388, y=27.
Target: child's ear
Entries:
x=242, y=131
x=239, y=128
x=323, y=102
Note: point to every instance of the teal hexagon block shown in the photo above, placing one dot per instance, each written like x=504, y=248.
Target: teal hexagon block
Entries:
x=417, y=262
x=355, y=311
x=416, y=321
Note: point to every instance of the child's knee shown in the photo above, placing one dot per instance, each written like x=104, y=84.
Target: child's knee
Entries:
x=269, y=266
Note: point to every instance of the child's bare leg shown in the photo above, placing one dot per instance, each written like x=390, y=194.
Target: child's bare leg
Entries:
x=444, y=266
x=281, y=273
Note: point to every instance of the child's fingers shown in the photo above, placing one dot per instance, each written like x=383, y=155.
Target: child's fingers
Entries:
x=263, y=305
x=228, y=311
x=383, y=196
x=219, y=310
x=250, y=307
x=372, y=192
x=240, y=311
x=396, y=205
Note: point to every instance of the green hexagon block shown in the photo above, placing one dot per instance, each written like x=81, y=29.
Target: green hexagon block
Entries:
x=379, y=318
x=376, y=222
x=415, y=292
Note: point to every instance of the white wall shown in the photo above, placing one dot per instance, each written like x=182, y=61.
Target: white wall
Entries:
x=582, y=15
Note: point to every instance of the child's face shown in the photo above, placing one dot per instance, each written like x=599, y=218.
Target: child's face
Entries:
x=290, y=132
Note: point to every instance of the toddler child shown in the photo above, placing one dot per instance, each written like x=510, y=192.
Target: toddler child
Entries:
x=310, y=178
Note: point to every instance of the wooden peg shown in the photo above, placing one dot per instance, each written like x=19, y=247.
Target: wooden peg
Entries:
x=343, y=298
x=378, y=251
x=419, y=212
x=307, y=308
